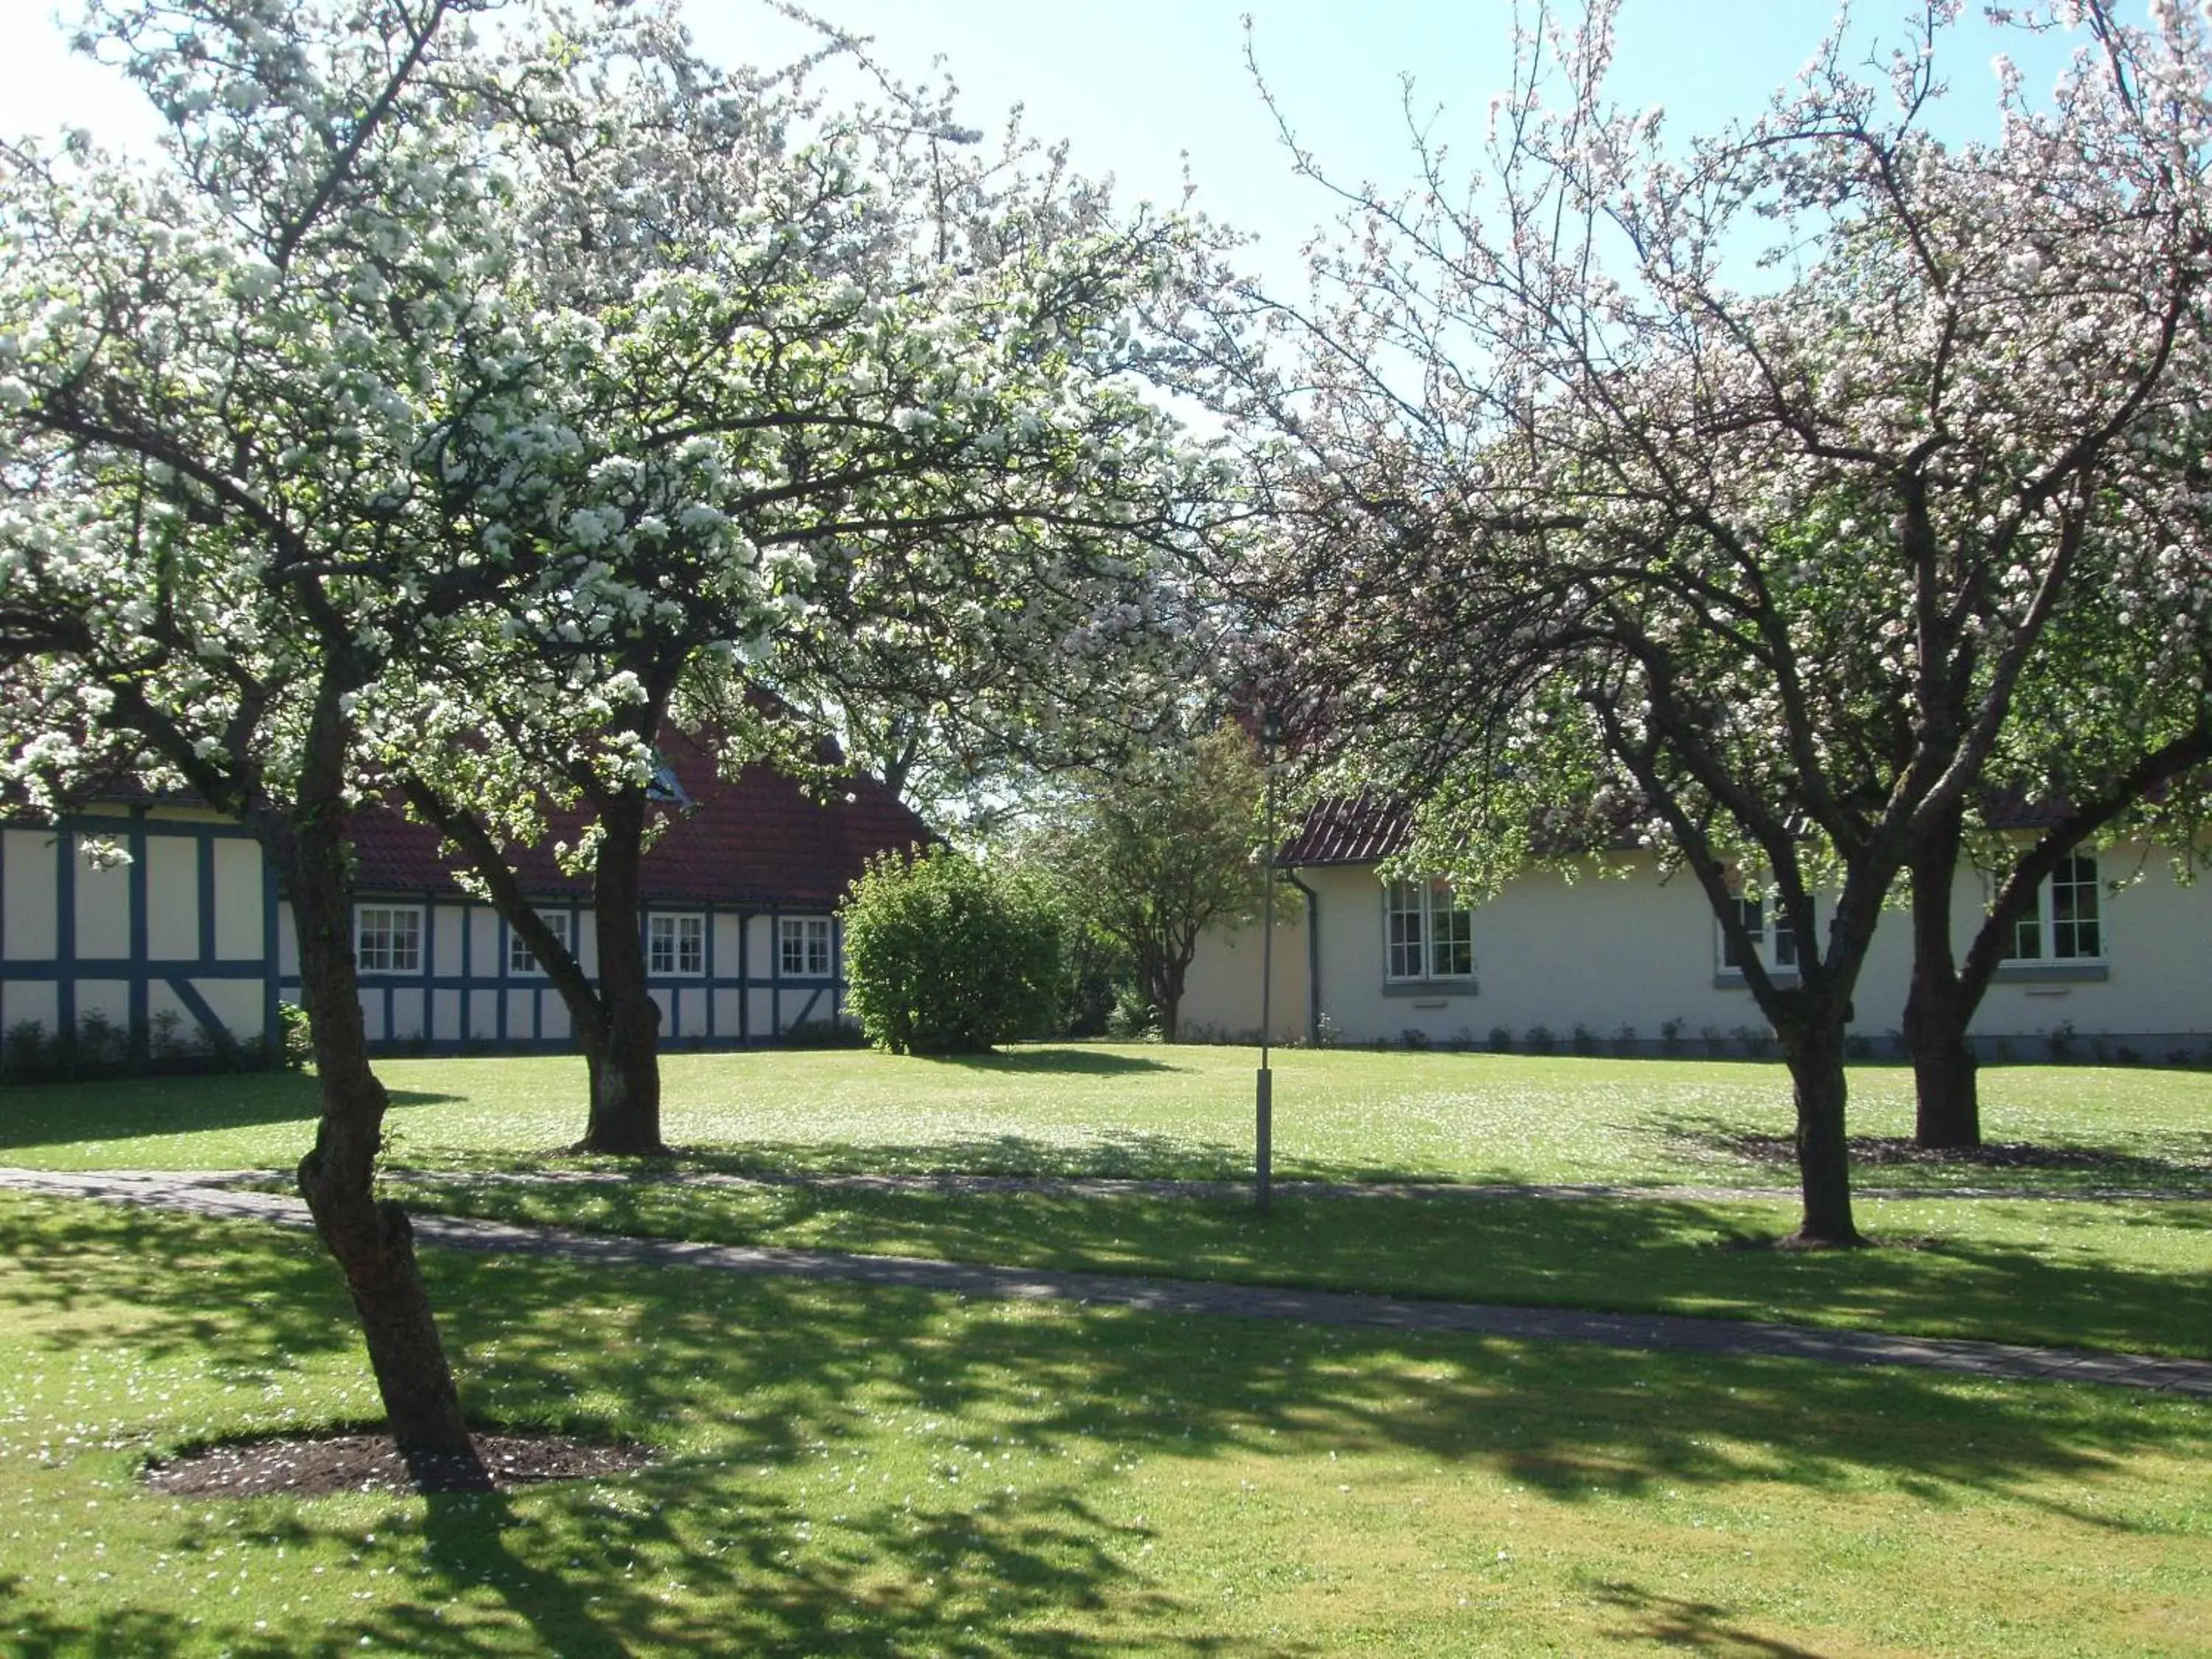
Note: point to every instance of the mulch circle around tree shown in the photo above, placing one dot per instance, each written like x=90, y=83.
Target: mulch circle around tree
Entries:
x=317, y=1466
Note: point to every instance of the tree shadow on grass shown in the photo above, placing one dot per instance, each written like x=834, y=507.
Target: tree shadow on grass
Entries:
x=1109, y=1154
x=123, y=1108
x=819, y=1386
x=32, y=1631
x=1889, y=1160
x=1055, y=1062
x=1676, y=1623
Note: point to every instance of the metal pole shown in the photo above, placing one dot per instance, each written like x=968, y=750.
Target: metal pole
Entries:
x=1265, y=1127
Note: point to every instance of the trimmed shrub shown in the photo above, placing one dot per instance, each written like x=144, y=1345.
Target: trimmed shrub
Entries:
x=945, y=956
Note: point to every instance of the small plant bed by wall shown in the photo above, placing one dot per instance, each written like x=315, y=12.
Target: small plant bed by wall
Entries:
x=320, y=1466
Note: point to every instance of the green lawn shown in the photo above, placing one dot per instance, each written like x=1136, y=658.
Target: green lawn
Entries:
x=867, y=1471
x=2121, y=1274
x=1150, y=1110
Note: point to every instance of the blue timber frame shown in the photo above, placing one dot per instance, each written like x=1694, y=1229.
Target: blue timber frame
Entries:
x=733, y=1024
x=476, y=980
x=139, y=970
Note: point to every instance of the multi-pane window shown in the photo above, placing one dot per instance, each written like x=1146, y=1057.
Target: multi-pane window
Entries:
x=387, y=938
x=676, y=945
x=1427, y=933
x=519, y=958
x=804, y=946
x=1774, y=939
x=2063, y=922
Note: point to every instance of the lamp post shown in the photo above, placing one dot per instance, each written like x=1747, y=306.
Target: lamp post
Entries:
x=1270, y=735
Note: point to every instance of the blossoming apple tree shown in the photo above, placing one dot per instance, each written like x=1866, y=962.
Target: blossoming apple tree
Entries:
x=453, y=392
x=858, y=427
x=229, y=371
x=1729, y=490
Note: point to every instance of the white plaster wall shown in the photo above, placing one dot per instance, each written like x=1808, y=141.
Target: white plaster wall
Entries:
x=1606, y=953
x=161, y=1000
x=1221, y=992
x=2158, y=944
x=235, y=1002
x=445, y=922
x=793, y=1005
x=38, y=1000
x=103, y=907
x=172, y=898
x=238, y=900
x=1600, y=952
x=109, y=997
x=484, y=960
x=29, y=916
x=728, y=1010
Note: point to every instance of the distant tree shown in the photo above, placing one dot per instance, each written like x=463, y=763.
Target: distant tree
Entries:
x=1571, y=521
x=946, y=956
x=1154, y=854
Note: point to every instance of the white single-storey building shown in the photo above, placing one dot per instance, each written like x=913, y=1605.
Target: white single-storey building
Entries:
x=2117, y=959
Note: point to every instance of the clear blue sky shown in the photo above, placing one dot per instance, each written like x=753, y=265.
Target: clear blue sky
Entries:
x=1136, y=86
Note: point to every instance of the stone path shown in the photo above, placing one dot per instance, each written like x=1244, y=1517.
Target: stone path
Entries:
x=1147, y=1187
x=208, y=1196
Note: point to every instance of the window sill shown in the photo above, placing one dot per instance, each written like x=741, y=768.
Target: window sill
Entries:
x=2034, y=973
x=1429, y=987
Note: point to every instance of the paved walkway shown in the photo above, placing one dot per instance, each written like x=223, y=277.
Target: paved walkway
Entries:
x=1148, y=1186
x=213, y=1196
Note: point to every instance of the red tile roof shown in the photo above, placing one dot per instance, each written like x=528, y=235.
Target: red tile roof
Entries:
x=1350, y=830
x=1367, y=829
x=756, y=839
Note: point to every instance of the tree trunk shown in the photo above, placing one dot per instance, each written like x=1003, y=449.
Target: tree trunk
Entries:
x=622, y=1051
x=1813, y=1045
x=1163, y=977
x=371, y=1242
x=1949, y=1111
x=1937, y=1008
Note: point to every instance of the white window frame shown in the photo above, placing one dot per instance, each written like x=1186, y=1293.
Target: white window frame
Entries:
x=1416, y=949
x=2055, y=940
x=377, y=948
x=813, y=943
x=1776, y=944
x=675, y=944
x=520, y=961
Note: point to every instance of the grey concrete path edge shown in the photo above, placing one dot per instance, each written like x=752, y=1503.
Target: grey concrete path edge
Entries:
x=1166, y=1187
x=1679, y=1333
